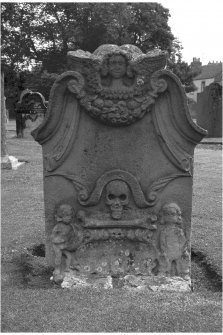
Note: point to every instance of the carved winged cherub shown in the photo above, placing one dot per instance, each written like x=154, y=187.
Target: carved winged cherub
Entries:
x=116, y=85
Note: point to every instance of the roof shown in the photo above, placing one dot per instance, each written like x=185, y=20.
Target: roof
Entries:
x=209, y=71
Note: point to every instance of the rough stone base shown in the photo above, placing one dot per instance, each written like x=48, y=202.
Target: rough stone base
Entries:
x=10, y=163
x=154, y=283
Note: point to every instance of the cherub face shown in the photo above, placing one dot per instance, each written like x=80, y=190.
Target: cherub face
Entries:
x=171, y=213
x=170, y=216
x=64, y=214
x=117, y=66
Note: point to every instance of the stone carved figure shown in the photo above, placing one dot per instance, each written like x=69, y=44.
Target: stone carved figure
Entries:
x=172, y=241
x=116, y=84
x=117, y=197
x=65, y=239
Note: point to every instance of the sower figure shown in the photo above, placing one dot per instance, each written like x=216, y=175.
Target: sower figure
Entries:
x=64, y=239
x=173, y=243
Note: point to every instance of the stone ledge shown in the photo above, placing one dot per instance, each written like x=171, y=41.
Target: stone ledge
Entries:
x=211, y=140
x=10, y=163
x=73, y=280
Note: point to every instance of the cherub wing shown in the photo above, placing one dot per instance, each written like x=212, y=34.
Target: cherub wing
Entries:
x=88, y=65
x=146, y=64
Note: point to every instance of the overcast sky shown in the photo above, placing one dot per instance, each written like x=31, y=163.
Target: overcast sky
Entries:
x=199, y=27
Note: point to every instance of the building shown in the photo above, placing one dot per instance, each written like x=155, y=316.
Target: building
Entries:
x=212, y=72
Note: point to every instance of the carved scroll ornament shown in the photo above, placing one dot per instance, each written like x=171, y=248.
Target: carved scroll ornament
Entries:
x=87, y=198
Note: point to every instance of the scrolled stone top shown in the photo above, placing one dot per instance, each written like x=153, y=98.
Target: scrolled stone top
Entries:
x=112, y=48
x=132, y=52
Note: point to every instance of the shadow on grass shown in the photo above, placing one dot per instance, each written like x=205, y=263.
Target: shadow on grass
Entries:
x=213, y=281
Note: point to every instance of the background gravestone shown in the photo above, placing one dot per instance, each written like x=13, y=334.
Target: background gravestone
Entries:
x=30, y=112
x=118, y=144
x=209, y=110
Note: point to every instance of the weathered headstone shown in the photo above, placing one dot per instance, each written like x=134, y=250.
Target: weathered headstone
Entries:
x=30, y=112
x=118, y=145
x=209, y=109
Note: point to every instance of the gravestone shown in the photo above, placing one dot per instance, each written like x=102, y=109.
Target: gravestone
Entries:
x=209, y=109
x=30, y=112
x=118, y=145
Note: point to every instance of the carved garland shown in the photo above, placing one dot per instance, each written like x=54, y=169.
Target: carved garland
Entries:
x=118, y=107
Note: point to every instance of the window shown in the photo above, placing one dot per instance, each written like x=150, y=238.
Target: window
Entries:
x=202, y=86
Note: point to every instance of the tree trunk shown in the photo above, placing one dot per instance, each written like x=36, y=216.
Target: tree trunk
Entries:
x=4, y=154
x=7, y=162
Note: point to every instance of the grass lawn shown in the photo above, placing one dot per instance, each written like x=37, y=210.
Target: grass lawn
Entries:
x=207, y=206
x=109, y=311
x=43, y=307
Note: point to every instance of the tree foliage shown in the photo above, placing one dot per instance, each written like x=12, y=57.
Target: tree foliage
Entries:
x=180, y=68
x=44, y=32
x=184, y=72
x=40, y=81
x=47, y=31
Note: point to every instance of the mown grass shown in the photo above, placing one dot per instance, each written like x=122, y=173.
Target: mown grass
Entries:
x=85, y=310
x=207, y=206
x=28, y=308
x=22, y=195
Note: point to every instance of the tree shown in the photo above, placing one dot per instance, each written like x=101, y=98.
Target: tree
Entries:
x=180, y=68
x=186, y=75
x=4, y=154
x=40, y=81
x=17, y=27
x=33, y=32
x=45, y=32
x=14, y=84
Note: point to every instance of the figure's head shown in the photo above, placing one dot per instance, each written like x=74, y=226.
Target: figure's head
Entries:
x=117, y=66
x=64, y=213
x=170, y=213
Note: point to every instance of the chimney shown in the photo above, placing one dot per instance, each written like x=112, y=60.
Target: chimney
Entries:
x=196, y=65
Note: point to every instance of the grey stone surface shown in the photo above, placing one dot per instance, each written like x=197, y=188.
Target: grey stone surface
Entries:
x=209, y=110
x=73, y=280
x=118, y=144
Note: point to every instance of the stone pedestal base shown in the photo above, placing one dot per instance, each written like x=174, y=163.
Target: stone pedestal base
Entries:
x=10, y=163
x=159, y=283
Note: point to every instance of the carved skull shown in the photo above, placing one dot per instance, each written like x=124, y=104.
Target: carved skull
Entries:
x=117, y=196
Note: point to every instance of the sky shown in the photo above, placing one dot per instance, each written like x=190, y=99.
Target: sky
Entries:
x=199, y=27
